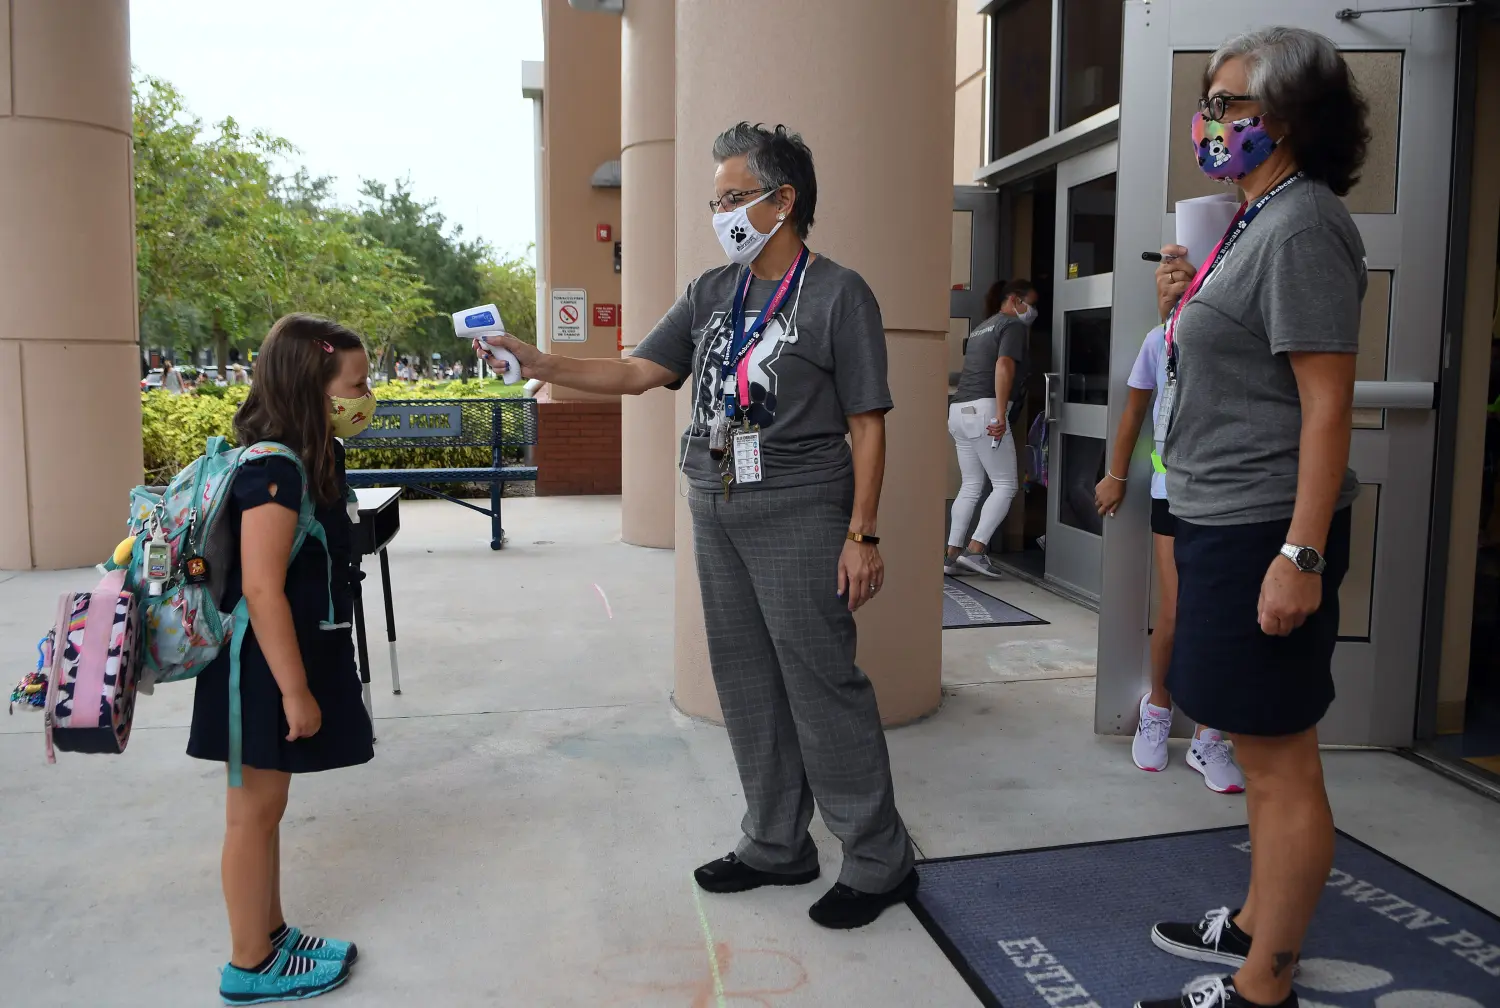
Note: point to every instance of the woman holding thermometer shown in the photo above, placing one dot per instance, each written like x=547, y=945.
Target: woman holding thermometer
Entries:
x=784, y=458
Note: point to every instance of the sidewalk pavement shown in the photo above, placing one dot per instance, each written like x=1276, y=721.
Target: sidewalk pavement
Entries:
x=527, y=831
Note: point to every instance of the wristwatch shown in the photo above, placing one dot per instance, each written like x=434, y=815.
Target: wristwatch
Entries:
x=1305, y=558
x=860, y=537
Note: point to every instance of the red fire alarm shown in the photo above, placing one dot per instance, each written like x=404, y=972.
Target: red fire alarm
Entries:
x=606, y=315
x=604, y=233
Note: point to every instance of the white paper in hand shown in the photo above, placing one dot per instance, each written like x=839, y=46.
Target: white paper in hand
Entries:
x=1202, y=222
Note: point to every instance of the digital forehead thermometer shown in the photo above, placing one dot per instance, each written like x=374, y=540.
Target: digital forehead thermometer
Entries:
x=477, y=323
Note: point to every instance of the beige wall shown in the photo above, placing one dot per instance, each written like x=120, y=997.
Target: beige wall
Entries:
x=70, y=412
x=894, y=62
x=581, y=123
x=1478, y=332
x=970, y=81
x=648, y=114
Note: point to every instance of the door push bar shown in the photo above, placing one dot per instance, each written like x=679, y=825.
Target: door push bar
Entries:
x=1413, y=395
x=1350, y=14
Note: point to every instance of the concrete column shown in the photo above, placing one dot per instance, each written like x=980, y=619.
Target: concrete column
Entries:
x=648, y=268
x=869, y=85
x=70, y=408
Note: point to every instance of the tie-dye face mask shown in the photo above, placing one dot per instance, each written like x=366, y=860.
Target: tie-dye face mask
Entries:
x=1228, y=151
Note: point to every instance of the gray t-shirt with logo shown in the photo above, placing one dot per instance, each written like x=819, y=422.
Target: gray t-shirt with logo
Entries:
x=1292, y=283
x=1000, y=335
x=820, y=360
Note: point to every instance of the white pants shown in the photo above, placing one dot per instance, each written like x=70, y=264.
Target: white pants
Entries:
x=978, y=460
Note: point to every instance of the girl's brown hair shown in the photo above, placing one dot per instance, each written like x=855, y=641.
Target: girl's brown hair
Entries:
x=288, y=402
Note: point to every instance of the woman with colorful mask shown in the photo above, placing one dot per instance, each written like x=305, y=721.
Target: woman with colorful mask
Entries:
x=301, y=706
x=1256, y=416
x=786, y=351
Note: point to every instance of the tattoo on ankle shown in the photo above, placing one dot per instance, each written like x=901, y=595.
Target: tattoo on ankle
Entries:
x=1283, y=961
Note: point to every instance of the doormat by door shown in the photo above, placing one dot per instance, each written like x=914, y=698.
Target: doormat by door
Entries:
x=968, y=607
x=1065, y=927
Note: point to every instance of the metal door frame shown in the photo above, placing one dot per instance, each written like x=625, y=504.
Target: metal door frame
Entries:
x=1073, y=555
x=1377, y=679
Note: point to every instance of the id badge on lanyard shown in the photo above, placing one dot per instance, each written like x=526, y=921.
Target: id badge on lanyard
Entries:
x=747, y=457
x=1166, y=401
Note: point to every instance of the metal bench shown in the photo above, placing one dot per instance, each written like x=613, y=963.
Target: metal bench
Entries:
x=499, y=425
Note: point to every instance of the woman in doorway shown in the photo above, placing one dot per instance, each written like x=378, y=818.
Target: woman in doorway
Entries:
x=1208, y=754
x=979, y=420
x=786, y=351
x=1260, y=385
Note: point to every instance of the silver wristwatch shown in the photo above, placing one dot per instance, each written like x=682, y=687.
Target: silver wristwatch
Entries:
x=1304, y=558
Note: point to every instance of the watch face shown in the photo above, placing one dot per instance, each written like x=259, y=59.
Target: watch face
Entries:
x=1307, y=559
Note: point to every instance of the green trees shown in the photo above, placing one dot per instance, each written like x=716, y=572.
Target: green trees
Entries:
x=225, y=245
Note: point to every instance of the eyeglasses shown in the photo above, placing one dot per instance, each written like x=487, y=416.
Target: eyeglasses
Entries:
x=1217, y=106
x=734, y=198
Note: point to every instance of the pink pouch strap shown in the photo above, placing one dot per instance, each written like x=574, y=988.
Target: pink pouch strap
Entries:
x=88, y=690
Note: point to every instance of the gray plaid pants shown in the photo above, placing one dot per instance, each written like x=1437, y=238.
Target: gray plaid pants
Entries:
x=801, y=716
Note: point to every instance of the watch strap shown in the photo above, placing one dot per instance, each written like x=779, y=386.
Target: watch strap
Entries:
x=860, y=537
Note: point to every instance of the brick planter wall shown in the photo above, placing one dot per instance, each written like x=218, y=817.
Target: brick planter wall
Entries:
x=578, y=448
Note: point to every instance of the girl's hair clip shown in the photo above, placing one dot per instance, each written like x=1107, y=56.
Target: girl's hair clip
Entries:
x=327, y=346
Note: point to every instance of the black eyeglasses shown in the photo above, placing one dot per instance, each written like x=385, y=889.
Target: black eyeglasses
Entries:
x=1217, y=107
x=734, y=198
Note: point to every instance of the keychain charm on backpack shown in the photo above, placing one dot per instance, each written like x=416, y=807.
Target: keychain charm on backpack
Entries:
x=195, y=570
x=158, y=560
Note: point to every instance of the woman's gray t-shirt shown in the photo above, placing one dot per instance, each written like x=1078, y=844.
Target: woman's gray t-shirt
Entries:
x=822, y=359
x=1000, y=335
x=1291, y=284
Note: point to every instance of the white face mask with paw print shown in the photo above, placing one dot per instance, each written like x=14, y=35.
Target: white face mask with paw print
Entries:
x=742, y=243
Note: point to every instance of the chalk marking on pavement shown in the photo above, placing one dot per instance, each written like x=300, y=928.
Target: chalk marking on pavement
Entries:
x=605, y=599
x=708, y=942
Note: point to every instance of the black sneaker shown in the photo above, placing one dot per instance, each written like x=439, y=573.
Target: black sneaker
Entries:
x=1213, y=992
x=1215, y=939
x=842, y=907
x=729, y=875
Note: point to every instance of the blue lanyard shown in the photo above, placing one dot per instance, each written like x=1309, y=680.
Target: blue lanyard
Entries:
x=1235, y=230
x=744, y=340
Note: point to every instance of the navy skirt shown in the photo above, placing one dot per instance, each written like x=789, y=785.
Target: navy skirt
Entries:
x=1228, y=673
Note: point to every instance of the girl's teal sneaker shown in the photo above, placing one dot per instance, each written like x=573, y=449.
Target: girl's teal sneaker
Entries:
x=287, y=978
x=323, y=949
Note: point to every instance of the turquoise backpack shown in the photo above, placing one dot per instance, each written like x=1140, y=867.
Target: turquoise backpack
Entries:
x=183, y=625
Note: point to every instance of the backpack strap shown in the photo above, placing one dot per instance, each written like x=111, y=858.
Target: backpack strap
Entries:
x=307, y=525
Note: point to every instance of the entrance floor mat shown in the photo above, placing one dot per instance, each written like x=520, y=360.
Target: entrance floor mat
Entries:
x=1068, y=927
x=964, y=606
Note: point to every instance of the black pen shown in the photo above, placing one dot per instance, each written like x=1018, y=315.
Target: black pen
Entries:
x=1157, y=257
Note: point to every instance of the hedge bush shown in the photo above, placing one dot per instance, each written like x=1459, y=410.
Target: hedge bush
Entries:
x=175, y=428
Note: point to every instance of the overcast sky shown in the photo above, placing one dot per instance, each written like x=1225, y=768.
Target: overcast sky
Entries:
x=381, y=89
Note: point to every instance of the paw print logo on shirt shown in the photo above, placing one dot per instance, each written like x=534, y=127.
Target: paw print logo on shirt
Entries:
x=1337, y=983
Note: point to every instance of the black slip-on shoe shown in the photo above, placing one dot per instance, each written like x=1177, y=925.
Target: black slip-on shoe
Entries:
x=1214, y=939
x=730, y=875
x=842, y=907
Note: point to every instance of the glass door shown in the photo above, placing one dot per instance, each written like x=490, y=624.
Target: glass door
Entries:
x=1077, y=390
x=1404, y=65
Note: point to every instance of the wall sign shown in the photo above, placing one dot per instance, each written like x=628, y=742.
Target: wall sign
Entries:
x=606, y=315
x=568, y=306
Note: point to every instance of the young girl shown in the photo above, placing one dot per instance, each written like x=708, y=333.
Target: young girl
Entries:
x=301, y=701
x=1208, y=753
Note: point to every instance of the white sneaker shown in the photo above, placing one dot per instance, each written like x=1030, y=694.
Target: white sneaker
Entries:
x=951, y=567
x=977, y=563
x=1211, y=756
x=1149, y=750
